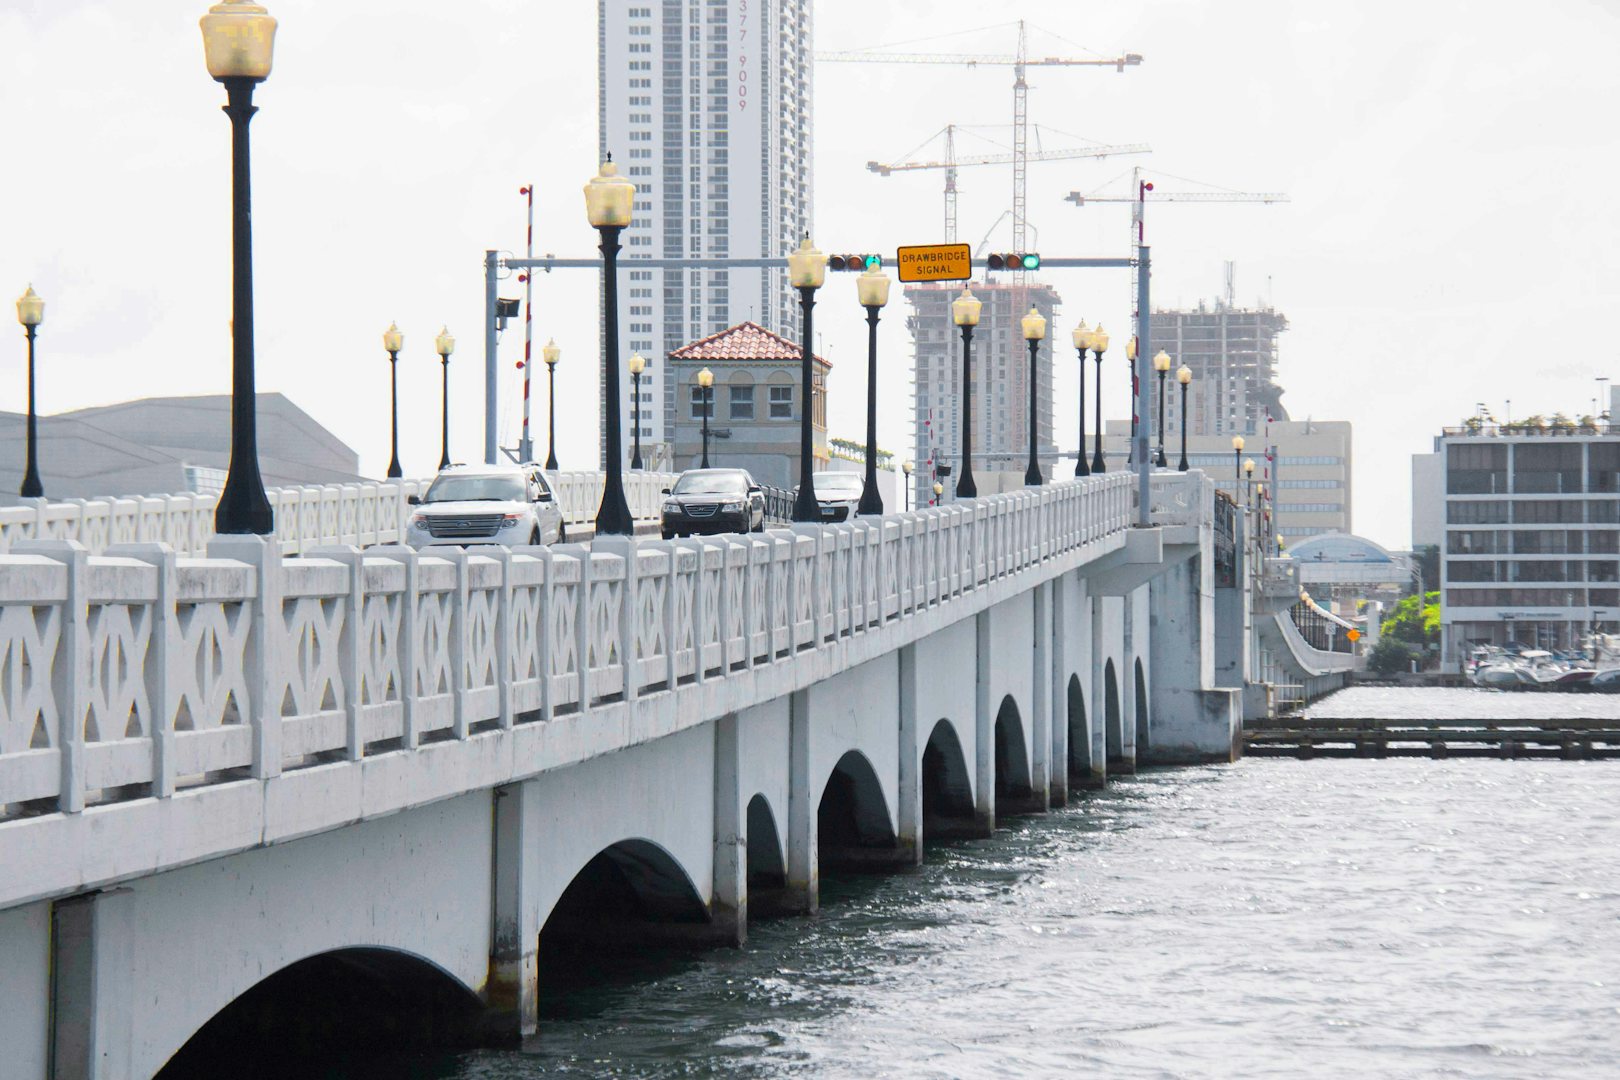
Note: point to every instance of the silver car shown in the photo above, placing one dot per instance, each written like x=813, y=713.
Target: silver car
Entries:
x=509, y=505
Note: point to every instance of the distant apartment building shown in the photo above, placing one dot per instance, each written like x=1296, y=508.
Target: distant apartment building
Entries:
x=705, y=105
x=1001, y=374
x=1310, y=474
x=1532, y=535
x=1232, y=352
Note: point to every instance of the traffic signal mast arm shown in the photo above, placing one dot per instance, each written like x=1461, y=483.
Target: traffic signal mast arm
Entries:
x=1080, y=199
x=1118, y=63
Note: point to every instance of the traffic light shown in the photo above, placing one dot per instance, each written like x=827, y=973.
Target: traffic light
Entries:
x=1015, y=261
x=855, y=262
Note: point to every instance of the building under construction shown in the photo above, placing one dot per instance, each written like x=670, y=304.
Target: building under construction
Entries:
x=1000, y=384
x=1232, y=352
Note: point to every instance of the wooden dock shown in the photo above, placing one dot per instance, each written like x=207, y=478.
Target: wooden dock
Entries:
x=1302, y=737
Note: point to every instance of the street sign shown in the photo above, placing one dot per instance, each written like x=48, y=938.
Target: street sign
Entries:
x=936, y=262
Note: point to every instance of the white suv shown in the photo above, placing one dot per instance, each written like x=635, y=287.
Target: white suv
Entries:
x=509, y=505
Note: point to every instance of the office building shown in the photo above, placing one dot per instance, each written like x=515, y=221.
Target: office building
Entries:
x=1001, y=374
x=1532, y=534
x=1309, y=472
x=705, y=105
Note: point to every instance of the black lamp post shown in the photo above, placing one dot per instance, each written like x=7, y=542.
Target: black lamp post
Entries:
x=31, y=312
x=1034, y=327
x=906, y=468
x=1237, y=460
x=638, y=364
x=706, y=384
x=393, y=341
x=551, y=353
x=1081, y=336
x=872, y=287
x=1099, y=345
x=446, y=345
x=965, y=313
x=807, y=269
x=1130, y=366
x=1184, y=377
x=1248, y=482
x=609, y=200
x=1161, y=364
x=238, y=42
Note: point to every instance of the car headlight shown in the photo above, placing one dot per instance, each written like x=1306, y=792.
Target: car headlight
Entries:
x=732, y=507
x=419, y=521
x=509, y=520
x=672, y=507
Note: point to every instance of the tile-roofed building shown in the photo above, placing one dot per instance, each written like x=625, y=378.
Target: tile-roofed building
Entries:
x=754, y=418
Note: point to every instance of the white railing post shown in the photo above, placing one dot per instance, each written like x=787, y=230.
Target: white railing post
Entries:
x=160, y=653
x=503, y=635
x=458, y=639
x=261, y=664
x=70, y=672
x=350, y=640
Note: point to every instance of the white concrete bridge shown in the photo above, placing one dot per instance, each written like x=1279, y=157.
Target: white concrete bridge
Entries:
x=245, y=775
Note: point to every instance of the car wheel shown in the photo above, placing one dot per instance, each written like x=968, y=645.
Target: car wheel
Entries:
x=562, y=532
x=667, y=534
x=534, y=537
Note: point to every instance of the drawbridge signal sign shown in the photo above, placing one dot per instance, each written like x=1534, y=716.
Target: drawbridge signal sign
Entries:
x=936, y=262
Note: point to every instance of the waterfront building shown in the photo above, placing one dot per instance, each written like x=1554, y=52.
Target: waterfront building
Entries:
x=706, y=106
x=1309, y=471
x=1532, y=533
x=1232, y=352
x=1000, y=383
x=1428, y=500
x=756, y=397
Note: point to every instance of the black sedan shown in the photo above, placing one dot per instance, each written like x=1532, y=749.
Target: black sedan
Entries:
x=707, y=501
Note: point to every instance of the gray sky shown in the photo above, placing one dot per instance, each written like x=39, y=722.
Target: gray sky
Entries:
x=1453, y=169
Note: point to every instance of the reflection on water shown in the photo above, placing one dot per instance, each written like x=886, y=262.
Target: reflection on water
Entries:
x=1274, y=918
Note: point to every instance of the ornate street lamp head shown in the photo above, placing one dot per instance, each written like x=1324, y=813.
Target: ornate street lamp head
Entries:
x=609, y=197
x=1081, y=336
x=444, y=342
x=939, y=489
x=638, y=363
x=906, y=467
x=239, y=37
x=551, y=353
x=965, y=309
x=1099, y=340
x=873, y=287
x=1161, y=361
x=1184, y=375
x=705, y=378
x=30, y=308
x=1237, y=443
x=1034, y=325
x=393, y=338
x=1130, y=349
x=1248, y=467
x=807, y=267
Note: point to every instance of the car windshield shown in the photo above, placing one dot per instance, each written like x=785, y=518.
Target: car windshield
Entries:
x=836, y=484
x=475, y=489
x=710, y=483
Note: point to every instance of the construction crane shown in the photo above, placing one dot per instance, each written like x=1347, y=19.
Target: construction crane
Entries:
x=1143, y=188
x=1018, y=62
x=951, y=163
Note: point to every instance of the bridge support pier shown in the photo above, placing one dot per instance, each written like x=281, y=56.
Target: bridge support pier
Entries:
x=1193, y=720
x=514, y=973
x=910, y=810
x=803, y=892
x=90, y=1034
x=728, y=905
x=984, y=731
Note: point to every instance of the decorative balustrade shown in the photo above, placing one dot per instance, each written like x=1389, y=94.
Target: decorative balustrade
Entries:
x=142, y=671
x=363, y=514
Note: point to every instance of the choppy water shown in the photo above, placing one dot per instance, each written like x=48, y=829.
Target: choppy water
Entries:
x=1276, y=918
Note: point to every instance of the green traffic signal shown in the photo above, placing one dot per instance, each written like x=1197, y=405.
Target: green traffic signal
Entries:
x=1032, y=262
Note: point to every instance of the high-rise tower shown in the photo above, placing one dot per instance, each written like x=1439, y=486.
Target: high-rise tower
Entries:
x=706, y=106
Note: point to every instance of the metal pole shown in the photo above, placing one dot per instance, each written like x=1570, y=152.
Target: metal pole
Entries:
x=394, y=471
x=1032, y=474
x=805, y=507
x=965, y=487
x=871, y=502
x=243, y=506
x=525, y=447
x=1098, y=465
x=1144, y=349
x=551, y=416
x=491, y=396
x=1183, y=427
x=613, y=518
x=1080, y=466
x=707, y=392
x=635, y=417
x=1161, y=462
x=31, y=487
x=444, y=432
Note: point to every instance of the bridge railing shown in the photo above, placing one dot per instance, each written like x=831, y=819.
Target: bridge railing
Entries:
x=142, y=672
x=362, y=514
